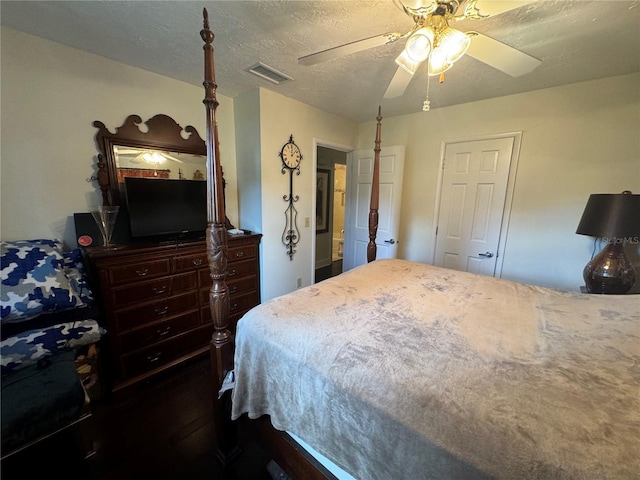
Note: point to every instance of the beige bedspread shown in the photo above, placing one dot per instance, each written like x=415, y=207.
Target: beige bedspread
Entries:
x=399, y=370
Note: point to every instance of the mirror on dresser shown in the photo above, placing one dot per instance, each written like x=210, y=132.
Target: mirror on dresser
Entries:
x=157, y=148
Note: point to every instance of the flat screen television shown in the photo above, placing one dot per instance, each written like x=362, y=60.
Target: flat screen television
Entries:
x=165, y=209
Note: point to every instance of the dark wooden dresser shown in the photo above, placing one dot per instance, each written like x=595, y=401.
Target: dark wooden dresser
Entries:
x=156, y=302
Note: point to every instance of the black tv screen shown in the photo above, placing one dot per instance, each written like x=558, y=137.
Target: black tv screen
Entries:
x=160, y=207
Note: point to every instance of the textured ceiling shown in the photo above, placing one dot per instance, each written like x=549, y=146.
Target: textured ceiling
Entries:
x=576, y=40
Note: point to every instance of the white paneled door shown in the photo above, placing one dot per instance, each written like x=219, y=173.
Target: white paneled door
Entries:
x=359, y=178
x=472, y=204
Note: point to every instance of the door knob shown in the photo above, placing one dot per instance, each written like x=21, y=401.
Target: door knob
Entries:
x=392, y=241
x=487, y=254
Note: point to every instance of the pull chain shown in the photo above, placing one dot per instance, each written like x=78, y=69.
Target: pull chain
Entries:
x=426, y=105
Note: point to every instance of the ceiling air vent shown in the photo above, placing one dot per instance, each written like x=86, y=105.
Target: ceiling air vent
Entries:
x=268, y=73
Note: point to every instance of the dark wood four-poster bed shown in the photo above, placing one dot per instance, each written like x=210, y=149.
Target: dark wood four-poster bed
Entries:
x=402, y=370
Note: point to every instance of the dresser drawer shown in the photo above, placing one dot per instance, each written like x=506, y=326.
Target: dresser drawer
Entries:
x=234, y=270
x=160, y=288
x=188, y=263
x=241, y=252
x=241, y=285
x=155, y=356
x=128, y=319
x=244, y=302
x=159, y=331
x=138, y=271
x=241, y=268
x=237, y=304
x=236, y=287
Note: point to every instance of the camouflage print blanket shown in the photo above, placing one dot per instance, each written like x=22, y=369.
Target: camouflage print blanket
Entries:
x=29, y=347
x=46, y=305
x=38, y=277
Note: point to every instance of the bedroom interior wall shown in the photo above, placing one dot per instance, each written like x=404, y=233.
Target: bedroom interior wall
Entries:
x=281, y=117
x=577, y=139
x=247, y=130
x=51, y=94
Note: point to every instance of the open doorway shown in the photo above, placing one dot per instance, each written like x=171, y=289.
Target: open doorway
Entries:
x=331, y=198
x=339, y=202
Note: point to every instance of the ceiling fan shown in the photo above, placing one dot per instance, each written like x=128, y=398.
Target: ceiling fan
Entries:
x=433, y=41
x=138, y=155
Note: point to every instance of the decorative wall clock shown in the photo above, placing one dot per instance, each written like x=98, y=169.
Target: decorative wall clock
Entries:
x=291, y=157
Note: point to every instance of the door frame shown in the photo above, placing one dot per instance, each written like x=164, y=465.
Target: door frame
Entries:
x=318, y=142
x=508, y=198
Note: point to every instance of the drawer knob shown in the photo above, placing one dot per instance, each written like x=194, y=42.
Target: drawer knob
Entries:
x=197, y=261
x=143, y=272
x=234, y=307
x=154, y=358
x=233, y=289
x=159, y=290
x=239, y=254
x=162, y=310
x=231, y=273
x=163, y=332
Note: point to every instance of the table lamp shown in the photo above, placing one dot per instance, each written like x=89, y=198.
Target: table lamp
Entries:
x=616, y=219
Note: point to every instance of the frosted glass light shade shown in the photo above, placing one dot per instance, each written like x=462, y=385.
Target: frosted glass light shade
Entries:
x=451, y=45
x=438, y=62
x=419, y=44
x=454, y=43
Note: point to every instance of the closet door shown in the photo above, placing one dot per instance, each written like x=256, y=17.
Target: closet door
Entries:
x=359, y=178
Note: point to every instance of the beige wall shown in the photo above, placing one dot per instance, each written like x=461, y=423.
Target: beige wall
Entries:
x=51, y=94
x=576, y=140
x=281, y=117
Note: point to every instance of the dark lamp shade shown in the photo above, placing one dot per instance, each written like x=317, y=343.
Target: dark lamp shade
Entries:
x=611, y=215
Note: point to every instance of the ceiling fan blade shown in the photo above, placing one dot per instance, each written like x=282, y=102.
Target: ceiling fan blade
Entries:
x=172, y=158
x=139, y=152
x=496, y=7
x=501, y=56
x=348, y=48
x=398, y=84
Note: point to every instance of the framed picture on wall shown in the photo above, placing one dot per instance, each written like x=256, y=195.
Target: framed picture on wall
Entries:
x=322, y=200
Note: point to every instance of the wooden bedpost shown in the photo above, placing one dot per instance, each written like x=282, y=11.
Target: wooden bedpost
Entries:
x=221, y=345
x=375, y=193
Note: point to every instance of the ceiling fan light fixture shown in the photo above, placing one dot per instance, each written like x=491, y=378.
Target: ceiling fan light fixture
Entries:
x=438, y=62
x=454, y=42
x=405, y=62
x=419, y=44
x=154, y=158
